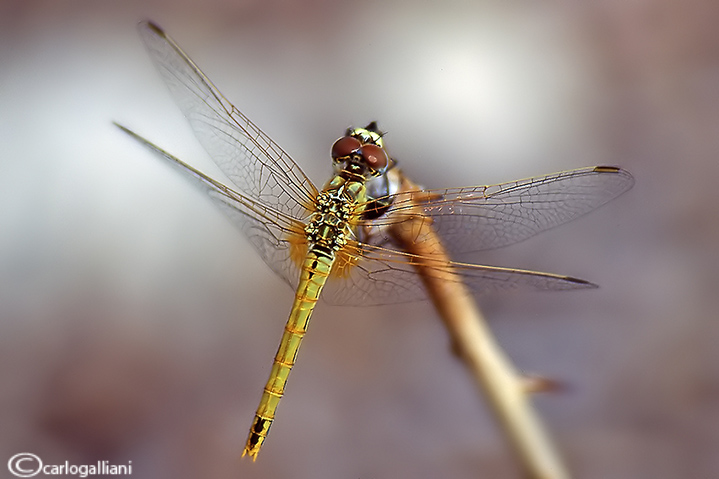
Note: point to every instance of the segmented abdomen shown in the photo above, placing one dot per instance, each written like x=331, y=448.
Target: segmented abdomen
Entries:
x=315, y=270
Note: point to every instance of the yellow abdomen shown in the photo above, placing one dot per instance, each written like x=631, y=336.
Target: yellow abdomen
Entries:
x=315, y=270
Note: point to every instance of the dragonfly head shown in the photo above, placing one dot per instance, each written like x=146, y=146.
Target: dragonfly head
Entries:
x=361, y=153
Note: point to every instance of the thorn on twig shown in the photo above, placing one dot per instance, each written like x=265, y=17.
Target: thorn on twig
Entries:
x=542, y=384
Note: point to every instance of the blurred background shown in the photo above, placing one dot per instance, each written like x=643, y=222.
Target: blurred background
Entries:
x=136, y=324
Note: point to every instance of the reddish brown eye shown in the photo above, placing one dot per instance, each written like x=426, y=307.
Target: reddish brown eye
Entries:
x=345, y=146
x=374, y=156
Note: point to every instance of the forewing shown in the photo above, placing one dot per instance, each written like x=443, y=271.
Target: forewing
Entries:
x=269, y=231
x=485, y=217
x=256, y=165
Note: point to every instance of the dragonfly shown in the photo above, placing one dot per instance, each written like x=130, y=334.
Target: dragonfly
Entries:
x=340, y=242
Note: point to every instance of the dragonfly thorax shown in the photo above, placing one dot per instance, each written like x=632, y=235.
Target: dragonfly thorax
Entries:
x=330, y=224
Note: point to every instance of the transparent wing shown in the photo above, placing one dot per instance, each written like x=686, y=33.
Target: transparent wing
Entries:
x=384, y=276
x=256, y=165
x=485, y=217
x=374, y=274
x=271, y=232
x=271, y=196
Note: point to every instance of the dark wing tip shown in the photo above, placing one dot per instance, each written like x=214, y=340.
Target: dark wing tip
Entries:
x=580, y=283
x=614, y=170
x=125, y=129
x=627, y=180
x=154, y=27
x=607, y=169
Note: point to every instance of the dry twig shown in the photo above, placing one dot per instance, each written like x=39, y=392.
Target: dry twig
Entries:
x=506, y=390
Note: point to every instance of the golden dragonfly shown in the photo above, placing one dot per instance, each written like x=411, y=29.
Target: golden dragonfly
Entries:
x=338, y=241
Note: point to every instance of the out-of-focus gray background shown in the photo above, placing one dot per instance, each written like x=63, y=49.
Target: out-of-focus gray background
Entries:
x=137, y=324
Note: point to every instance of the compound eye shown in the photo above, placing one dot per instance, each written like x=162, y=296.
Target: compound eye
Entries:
x=345, y=146
x=375, y=156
